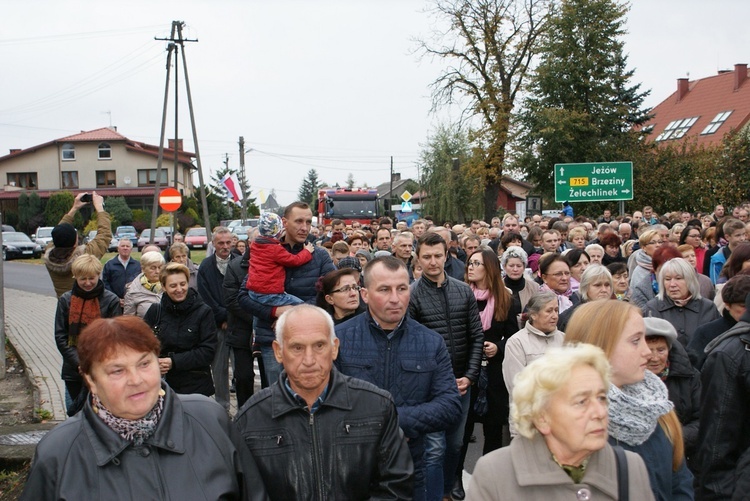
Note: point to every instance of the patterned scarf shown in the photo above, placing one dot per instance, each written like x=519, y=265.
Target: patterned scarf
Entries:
x=489, y=310
x=153, y=287
x=681, y=303
x=134, y=430
x=634, y=409
x=221, y=264
x=644, y=261
x=84, y=309
x=563, y=300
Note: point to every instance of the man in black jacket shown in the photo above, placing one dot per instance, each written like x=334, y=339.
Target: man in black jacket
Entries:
x=210, y=287
x=319, y=434
x=448, y=307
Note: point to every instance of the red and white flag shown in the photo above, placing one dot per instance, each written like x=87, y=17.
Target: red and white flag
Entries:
x=232, y=185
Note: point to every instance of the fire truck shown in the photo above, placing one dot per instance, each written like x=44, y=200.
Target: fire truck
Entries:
x=347, y=204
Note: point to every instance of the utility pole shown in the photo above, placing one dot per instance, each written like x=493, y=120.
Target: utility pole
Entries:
x=390, y=194
x=243, y=182
x=178, y=41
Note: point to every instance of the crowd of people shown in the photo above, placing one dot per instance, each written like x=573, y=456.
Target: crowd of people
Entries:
x=606, y=358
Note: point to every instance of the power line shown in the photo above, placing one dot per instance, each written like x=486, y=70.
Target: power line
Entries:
x=77, y=36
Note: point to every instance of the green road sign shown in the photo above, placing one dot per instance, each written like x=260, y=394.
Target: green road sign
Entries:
x=594, y=182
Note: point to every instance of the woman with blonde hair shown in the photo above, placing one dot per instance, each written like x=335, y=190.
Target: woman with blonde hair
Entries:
x=561, y=452
x=641, y=417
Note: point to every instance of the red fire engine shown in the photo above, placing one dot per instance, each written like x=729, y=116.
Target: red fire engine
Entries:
x=347, y=204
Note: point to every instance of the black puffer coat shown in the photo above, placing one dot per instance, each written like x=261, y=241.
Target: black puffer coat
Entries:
x=239, y=322
x=451, y=311
x=187, y=333
x=684, y=386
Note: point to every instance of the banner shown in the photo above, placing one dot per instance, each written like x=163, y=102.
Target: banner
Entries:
x=232, y=185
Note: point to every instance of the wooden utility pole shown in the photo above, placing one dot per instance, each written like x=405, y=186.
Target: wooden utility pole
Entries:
x=178, y=41
x=243, y=183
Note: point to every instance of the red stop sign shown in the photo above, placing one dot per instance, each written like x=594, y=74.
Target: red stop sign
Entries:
x=170, y=199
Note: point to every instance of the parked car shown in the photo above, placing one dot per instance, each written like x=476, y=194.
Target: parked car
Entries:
x=167, y=231
x=43, y=235
x=126, y=231
x=238, y=222
x=196, y=238
x=241, y=231
x=19, y=245
x=160, y=239
x=7, y=227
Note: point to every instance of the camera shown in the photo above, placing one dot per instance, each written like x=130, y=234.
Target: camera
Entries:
x=87, y=198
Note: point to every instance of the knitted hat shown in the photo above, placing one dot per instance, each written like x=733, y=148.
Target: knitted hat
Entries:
x=382, y=253
x=64, y=235
x=269, y=225
x=363, y=252
x=350, y=262
x=660, y=327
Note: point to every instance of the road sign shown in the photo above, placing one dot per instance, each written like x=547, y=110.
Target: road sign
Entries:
x=406, y=196
x=594, y=182
x=170, y=199
x=405, y=206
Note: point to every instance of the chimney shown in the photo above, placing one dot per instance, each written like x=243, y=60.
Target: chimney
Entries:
x=396, y=176
x=740, y=75
x=14, y=150
x=682, y=88
x=179, y=144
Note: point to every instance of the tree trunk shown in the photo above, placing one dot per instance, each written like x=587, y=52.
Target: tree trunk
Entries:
x=491, y=193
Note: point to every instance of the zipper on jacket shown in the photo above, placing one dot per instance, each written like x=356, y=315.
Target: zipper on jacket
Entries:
x=387, y=364
x=316, y=458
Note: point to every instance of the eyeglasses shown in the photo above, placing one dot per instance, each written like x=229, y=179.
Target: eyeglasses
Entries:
x=560, y=274
x=656, y=242
x=475, y=264
x=347, y=288
x=694, y=235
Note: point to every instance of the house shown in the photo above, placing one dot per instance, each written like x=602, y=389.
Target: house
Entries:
x=103, y=160
x=703, y=110
x=512, y=191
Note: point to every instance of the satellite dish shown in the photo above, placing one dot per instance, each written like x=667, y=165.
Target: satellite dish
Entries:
x=127, y=180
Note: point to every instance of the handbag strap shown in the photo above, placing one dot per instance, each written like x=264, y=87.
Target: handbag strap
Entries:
x=622, y=473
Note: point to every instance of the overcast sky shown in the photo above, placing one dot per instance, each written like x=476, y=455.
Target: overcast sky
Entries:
x=333, y=85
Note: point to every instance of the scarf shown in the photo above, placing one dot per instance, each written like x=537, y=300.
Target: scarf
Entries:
x=155, y=287
x=563, y=300
x=634, y=409
x=84, y=309
x=681, y=303
x=222, y=264
x=654, y=284
x=663, y=375
x=574, y=284
x=644, y=261
x=134, y=430
x=489, y=310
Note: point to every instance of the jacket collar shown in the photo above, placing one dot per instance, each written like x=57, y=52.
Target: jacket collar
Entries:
x=533, y=465
x=107, y=444
x=338, y=396
x=740, y=329
x=667, y=303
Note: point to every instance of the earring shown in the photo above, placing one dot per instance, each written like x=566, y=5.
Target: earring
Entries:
x=162, y=392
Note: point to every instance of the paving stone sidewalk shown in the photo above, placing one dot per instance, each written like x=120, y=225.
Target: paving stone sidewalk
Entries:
x=29, y=325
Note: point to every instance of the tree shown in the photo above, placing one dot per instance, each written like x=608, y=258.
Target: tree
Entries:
x=350, y=183
x=488, y=48
x=232, y=210
x=119, y=212
x=582, y=107
x=308, y=191
x=58, y=205
x=446, y=178
x=30, y=214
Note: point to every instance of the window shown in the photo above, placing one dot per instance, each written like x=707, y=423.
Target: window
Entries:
x=105, y=178
x=147, y=177
x=676, y=129
x=105, y=151
x=70, y=179
x=23, y=180
x=716, y=123
x=68, y=152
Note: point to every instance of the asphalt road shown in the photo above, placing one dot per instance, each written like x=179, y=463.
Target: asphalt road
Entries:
x=27, y=277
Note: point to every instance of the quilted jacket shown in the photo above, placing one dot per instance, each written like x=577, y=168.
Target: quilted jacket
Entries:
x=451, y=311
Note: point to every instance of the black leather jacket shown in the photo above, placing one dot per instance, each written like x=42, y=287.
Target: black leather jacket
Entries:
x=190, y=456
x=350, y=448
x=451, y=311
x=239, y=322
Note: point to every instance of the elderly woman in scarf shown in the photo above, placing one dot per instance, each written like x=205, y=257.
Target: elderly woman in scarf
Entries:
x=87, y=301
x=145, y=289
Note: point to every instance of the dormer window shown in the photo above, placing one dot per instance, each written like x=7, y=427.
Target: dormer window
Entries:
x=105, y=151
x=676, y=129
x=716, y=123
x=68, y=152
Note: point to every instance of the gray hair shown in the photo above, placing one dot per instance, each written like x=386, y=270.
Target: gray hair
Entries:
x=679, y=266
x=220, y=231
x=124, y=240
x=517, y=252
x=539, y=301
x=152, y=257
x=592, y=274
x=595, y=247
x=297, y=310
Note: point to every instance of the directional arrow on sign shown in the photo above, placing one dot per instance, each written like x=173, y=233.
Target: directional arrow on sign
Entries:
x=562, y=182
x=625, y=191
x=562, y=172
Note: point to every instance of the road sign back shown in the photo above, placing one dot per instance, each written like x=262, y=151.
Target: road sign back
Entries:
x=594, y=182
x=170, y=199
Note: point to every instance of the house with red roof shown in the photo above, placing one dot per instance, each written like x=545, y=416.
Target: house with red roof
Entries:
x=703, y=110
x=103, y=160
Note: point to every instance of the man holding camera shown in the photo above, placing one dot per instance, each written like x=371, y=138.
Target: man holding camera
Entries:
x=64, y=249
